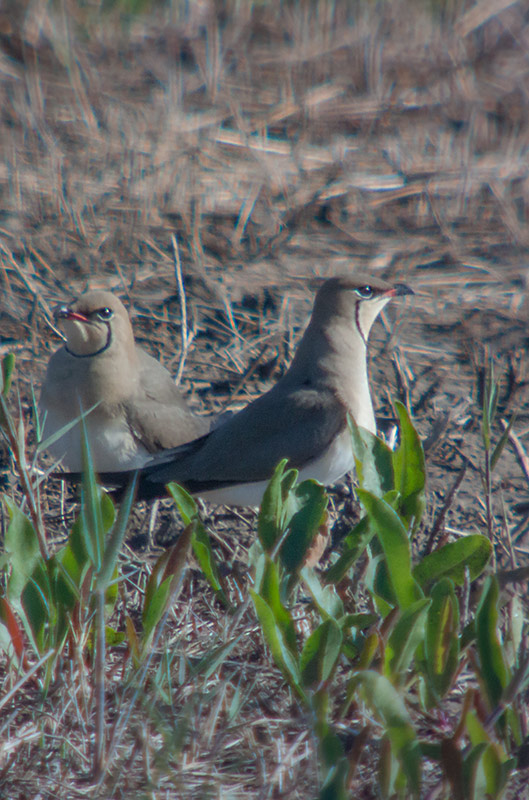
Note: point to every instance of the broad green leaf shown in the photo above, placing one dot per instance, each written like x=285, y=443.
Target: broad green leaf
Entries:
x=360, y=621
x=22, y=549
x=409, y=467
x=334, y=784
x=473, y=775
x=275, y=640
x=396, y=546
x=382, y=697
x=271, y=522
x=113, y=638
x=496, y=766
x=370, y=649
x=307, y=505
x=494, y=672
x=320, y=654
x=48, y=600
x=185, y=503
x=8, y=366
x=442, y=637
x=37, y=604
x=164, y=580
x=214, y=659
x=154, y=609
x=452, y=560
x=382, y=586
x=270, y=591
x=169, y=564
x=72, y=570
x=353, y=546
x=327, y=600
x=205, y=556
x=405, y=638
x=373, y=460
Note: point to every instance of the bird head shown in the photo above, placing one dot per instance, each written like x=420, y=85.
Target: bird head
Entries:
x=359, y=297
x=94, y=323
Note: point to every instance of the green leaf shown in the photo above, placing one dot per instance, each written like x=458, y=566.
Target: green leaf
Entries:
x=504, y=438
x=162, y=581
x=373, y=460
x=8, y=366
x=279, y=647
x=474, y=781
x=360, y=621
x=307, y=504
x=185, y=503
x=320, y=654
x=113, y=638
x=270, y=591
x=37, y=606
x=353, y=546
x=494, y=673
x=326, y=598
x=395, y=544
x=489, y=765
x=205, y=556
x=442, y=637
x=409, y=468
x=405, y=638
x=382, y=697
x=271, y=523
x=154, y=607
x=22, y=549
x=212, y=661
x=334, y=784
x=452, y=560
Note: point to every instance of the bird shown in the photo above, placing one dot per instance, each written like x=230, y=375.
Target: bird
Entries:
x=302, y=418
x=135, y=408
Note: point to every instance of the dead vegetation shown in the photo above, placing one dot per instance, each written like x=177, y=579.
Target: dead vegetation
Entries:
x=276, y=143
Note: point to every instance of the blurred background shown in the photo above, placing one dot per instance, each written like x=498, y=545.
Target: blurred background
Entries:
x=256, y=146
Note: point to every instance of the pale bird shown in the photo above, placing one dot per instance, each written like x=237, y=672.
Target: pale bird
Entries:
x=303, y=418
x=137, y=410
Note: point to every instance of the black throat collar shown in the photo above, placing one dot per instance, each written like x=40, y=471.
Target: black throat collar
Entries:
x=97, y=352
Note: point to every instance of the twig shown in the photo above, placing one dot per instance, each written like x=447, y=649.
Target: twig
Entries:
x=16, y=443
x=521, y=455
x=186, y=337
x=440, y=518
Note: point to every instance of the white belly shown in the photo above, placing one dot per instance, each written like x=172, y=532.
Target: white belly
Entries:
x=332, y=465
x=112, y=444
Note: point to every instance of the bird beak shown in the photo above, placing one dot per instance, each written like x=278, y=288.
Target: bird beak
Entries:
x=63, y=312
x=400, y=289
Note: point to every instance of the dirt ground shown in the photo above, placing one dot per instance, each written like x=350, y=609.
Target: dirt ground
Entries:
x=278, y=143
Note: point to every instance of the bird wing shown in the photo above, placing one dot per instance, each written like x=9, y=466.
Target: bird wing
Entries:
x=159, y=426
x=156, y=382
x=158, y=415
x=298, y=426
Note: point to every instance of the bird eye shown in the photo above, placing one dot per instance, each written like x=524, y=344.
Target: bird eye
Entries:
x=104, y=313
x=365, y=292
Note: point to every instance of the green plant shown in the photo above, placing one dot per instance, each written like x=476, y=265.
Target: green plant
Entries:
x=401, y=660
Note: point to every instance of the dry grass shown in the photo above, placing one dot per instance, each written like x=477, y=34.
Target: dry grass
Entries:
x=277, y=143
